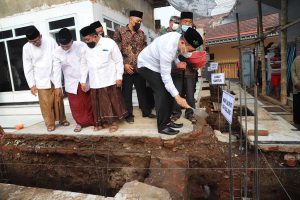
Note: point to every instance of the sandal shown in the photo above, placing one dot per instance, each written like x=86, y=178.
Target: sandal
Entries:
x=78, y=128
x=113, y=128
x=97, y=128
x=50, y=128
x=65, y=123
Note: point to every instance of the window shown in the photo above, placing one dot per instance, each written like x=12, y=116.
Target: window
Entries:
x=21, y=31
x=5, y=83
x=111, y=27
x=116, y=26
x=62, y=23
x=5, y=34
x=55, y=27
x=15, y=48
x=108, y=23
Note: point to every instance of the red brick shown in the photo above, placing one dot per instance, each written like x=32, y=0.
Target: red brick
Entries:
x=153, y=140
x=259, y=132
x=169, y=143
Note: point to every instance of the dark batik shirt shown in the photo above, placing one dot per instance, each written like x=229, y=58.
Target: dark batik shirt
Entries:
x=130, y=44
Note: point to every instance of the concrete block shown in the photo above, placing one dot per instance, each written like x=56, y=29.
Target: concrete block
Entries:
x=136, y=190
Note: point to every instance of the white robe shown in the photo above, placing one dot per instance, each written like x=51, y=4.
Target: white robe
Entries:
x=69, y=63
x=103, y=64
x=37, y=63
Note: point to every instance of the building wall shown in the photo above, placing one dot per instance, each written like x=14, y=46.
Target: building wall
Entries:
x=225, y=52
x=121, y=7
x=11, y=7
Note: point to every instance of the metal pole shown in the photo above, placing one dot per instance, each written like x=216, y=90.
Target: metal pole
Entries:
x=219, y=108
x=256, y=161
x=230, y=166
x=241, y=118
x=262, y=50
x=283, y=41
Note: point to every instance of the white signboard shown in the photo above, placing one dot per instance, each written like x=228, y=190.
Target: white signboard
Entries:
x=227, y=106
x=214, y=66
x=217, y=78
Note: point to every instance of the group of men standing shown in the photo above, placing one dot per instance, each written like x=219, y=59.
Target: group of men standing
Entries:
x=99, y=74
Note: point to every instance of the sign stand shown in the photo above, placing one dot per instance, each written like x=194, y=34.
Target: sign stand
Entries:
x=227, y=111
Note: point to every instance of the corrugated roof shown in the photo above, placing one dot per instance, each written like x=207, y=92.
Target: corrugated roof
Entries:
x=247, y=27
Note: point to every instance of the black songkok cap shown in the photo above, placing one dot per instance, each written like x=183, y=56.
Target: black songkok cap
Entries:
x=88, y=30
x=186, y=15
x=135, y=13
x=64, y=36
x=193, y=37
x=96, y=24
x=32, y=33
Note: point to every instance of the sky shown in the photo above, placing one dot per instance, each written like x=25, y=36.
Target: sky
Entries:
x=164, y=13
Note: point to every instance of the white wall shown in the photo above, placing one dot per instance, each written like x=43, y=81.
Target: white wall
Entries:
x=82, y=13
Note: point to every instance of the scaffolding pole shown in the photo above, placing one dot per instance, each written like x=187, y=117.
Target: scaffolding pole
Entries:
x=262, y=49
x=245, y=187
x=283, y=41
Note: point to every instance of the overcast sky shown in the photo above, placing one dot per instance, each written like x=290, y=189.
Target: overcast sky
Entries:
x=164, y=13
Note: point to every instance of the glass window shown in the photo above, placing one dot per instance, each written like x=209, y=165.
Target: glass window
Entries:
x=5, y=83
x=5, y=34
x=15, y=48
x=116, y=26
x=73, y=35
x=110, y=33
x=62, y=23
x=21, y=31
x=108, y=23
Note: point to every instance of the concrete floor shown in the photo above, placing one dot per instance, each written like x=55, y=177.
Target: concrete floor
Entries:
x=15, y=192
x=31, y=117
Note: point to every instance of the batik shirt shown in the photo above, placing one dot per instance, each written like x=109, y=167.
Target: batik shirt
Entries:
x=130, y=44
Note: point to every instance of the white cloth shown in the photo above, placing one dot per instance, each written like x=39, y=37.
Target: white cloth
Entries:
x=37, y=63
x=69, y=63
x=158, y=57
x=103, y=64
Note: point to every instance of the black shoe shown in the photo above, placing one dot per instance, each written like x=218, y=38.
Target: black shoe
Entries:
x=130, y=119
x=175, y=125
x=168, y=131
x=152, y=116
x=175, y=117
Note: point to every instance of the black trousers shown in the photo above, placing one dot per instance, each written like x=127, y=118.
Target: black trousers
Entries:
x=162, y=98
x=140, y=86
x=296, y=108
x=186, y=88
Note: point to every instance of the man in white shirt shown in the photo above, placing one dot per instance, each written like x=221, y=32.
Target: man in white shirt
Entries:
x=154, y=65
x=98, y=28
x=103, y=63
x=38, y=70
x=67, y=58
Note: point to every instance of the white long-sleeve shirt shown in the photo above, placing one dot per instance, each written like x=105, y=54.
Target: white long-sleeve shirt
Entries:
x=103, y=64
x=158, y=57
x=69, y=63
x=37, y=63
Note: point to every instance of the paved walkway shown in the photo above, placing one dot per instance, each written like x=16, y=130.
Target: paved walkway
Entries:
x=30, y=116
x=283, y=136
